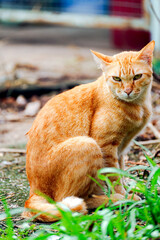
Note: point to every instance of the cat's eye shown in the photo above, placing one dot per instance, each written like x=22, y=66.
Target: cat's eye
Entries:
x=138, y=76
x=117, y=79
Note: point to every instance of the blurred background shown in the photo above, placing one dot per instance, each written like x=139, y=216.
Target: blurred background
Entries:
x=45, y=49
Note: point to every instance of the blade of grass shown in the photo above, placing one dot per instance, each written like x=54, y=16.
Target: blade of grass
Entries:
x=142, y=147
x=150, y=161
x=9, y=223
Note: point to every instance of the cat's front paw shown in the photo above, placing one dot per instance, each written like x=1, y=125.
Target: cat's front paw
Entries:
x=134, y=197
x=117, y=197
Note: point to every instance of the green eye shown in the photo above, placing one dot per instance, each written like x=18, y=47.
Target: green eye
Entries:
x=117, y=79
x=138, y=76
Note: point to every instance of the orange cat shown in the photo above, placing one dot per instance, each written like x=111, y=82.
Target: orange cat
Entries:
x=85, y=129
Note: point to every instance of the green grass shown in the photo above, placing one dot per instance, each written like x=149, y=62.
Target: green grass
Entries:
x=126, y=219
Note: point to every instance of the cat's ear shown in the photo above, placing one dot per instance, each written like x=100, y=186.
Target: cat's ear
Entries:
x=146, y=54
x=101, y=60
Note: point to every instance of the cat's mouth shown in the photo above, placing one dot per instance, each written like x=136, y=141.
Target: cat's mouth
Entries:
x=128, y=98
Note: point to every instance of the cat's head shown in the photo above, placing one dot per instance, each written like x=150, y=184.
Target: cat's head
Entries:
x=127, y=74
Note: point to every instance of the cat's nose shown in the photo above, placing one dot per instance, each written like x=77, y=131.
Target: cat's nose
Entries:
x=128, y=90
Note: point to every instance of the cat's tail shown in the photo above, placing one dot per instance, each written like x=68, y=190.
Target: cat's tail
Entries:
x=48, y=212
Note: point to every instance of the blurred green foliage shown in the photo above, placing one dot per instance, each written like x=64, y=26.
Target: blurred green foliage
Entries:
x=156, y=65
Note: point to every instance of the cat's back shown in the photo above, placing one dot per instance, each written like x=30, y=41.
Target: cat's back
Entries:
x=65, y=115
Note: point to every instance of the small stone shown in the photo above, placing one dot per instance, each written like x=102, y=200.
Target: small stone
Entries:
x=21, y=101
x=32, y=108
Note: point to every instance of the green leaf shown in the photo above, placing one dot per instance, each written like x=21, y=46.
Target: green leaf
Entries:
x=132, y=219
x=142, y=147
x=155, y=173
x=150, y=161
x=114, y=170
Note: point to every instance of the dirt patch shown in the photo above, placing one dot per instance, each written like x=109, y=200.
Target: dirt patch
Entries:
x=13, y=133
x=14, y=184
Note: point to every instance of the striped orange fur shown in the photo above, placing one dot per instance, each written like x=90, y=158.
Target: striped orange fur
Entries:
x=87, y=128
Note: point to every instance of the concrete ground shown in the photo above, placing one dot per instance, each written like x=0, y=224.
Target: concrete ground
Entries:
x=62, y=50
x=57, y=52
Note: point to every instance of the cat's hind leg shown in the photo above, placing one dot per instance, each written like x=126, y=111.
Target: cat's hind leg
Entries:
x=65, y=176
x=76, y=161
x=97, y=200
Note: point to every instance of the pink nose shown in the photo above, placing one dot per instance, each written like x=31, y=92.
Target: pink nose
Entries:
x=128, y=90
